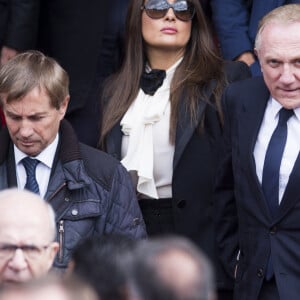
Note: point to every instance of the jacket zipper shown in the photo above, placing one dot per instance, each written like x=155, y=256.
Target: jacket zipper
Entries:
x=61, y=231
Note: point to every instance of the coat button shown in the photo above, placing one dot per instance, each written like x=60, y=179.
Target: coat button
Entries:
x=74, y=212
x=260, y=273
x=181, y=204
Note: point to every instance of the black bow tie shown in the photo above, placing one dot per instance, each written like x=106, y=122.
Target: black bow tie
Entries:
x=151, y=81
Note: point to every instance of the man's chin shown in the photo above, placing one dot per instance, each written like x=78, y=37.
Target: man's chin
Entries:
x=28, y=150
x=11, y=280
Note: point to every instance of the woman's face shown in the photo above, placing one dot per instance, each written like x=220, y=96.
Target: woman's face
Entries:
x=167, y=33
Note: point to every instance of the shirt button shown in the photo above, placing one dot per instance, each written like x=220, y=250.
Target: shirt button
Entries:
x=74, y=212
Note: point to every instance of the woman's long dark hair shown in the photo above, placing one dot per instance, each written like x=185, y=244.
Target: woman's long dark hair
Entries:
x=200, y=65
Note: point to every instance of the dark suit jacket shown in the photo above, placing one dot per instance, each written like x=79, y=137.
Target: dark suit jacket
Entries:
x=3, y=19
x=194, y=167
x=244, y=222
x=18, y=23
x=73, y=32
x=236, y=23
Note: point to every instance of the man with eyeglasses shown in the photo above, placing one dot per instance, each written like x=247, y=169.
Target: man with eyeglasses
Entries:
x=27, y=236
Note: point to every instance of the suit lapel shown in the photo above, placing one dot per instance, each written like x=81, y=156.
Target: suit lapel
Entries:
x=250, y=118
x=114, y=141
x=185, y=129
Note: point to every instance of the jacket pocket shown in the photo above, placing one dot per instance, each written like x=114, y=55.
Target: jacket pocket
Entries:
x=80, y=220
x=84, y=209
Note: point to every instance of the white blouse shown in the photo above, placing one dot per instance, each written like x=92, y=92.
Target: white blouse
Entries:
x=146, y=149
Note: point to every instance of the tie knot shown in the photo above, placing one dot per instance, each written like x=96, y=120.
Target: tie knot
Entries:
x=285, y=114
x=30, y=164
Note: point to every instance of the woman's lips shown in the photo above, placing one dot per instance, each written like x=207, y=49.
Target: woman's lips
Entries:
x=169, y=30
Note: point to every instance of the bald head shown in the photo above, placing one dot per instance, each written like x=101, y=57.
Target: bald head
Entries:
x=175, y=268
x=22, y=208
x=173, y=262
x=27, y=231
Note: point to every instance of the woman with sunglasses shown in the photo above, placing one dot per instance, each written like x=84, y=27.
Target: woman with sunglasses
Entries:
x=163, y=115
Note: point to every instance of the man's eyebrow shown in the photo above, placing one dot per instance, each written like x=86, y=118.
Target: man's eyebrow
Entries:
x=11, y=113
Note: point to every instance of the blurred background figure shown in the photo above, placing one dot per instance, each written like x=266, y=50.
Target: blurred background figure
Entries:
x=171, y=268
x=236, y=23
x=103, y=263
x=50, y=288
x=86, y=39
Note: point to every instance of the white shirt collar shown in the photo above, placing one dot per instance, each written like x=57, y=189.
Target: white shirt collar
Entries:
x=275, y=107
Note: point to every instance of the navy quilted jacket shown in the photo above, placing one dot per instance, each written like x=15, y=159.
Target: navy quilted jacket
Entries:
x=90, y=191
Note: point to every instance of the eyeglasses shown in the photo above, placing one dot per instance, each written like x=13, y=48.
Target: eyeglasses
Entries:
x=31, y=252
x=157, y=9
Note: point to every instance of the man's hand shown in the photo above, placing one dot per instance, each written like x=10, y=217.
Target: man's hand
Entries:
x=247, y=57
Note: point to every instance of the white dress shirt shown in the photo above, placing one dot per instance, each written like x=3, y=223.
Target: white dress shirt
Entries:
x=147, y=152
x=292, y=146
x=43, y=169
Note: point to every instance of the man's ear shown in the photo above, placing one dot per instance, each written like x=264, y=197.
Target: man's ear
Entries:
x=63, y=107
x=54, y=247
x=255, y=52
x=52, y=251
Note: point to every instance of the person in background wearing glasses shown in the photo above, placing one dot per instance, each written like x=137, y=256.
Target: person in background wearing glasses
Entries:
x=163, y=117
x=27, y=236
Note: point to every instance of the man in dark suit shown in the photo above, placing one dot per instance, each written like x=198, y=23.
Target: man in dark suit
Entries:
x=257, y=189
x=86, y=39
x=236, y=23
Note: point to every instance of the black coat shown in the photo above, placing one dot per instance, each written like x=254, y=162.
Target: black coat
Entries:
x=193, y=167
x=74, y=33
x=19, y=23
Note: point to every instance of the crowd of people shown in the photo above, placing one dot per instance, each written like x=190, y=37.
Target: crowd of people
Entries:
x=159, y=142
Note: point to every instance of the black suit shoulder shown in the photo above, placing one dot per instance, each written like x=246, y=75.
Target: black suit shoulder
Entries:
x=236, y=71
x=248, y=88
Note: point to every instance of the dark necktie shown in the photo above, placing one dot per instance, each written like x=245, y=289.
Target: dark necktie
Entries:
x=270, y=177
x=30, y=166
x=151, y=81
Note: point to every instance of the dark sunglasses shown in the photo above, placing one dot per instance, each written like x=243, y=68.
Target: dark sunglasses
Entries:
x=157, y=9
